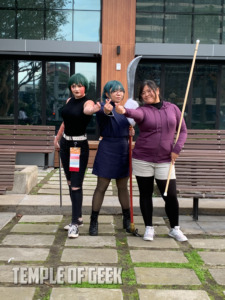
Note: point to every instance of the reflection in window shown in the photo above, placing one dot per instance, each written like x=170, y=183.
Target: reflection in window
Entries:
x=210, y=32
x=207, y=6
x=30, y=24
x=222, y=100
x=7, y=24
x=6, y=92
x=59, y=25
x=149, y=28
x=178, y=6
x=204, y=97
x=150, y=6
x=86, y=26
x=30, y=4
x=61, y=4
x=178, y=29
x=176, y=79
x=57, y=76
x=87, y=4
x=29, y=86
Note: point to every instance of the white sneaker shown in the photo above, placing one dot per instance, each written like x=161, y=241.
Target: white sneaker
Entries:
x=73, y=231
x=79, y=223
x=177, y=234
x=149, y=233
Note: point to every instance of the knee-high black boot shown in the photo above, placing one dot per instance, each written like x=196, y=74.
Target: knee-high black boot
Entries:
x=126, y=219
x=93, y=229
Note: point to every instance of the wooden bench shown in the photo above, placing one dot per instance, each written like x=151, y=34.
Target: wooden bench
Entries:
x=28, y=138
x=200, y=168
x=7, y=168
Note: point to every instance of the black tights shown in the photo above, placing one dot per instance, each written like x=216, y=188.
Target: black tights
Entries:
x=146, y=186
x=101, y=188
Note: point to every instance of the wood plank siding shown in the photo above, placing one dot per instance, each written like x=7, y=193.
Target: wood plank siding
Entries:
x=118, y=29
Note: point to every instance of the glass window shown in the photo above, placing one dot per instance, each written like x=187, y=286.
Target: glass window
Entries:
x=178, y=6
x=30, y=24
x=59, y=25
x=57, y=76
x=87, y=4
x=7, y=3
x=204, y=97
x=178, y=29
x=210, y=32
x=7, y=24
x=6, y=92
x=30, y=92
x=149, y=28
x=86, y=26
x=30, y=3
x=59, y=4
x=89, y=70
x=149, y=6
x=146, y=71
x=176, y=79
x=208, y=6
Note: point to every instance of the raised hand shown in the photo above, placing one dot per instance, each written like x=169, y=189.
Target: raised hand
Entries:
x=108, y=107
x=120, y=109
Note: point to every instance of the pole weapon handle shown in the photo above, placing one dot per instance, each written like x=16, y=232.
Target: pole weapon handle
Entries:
x=182, y=112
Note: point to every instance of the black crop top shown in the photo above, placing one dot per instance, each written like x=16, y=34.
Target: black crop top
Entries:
x=75, y=121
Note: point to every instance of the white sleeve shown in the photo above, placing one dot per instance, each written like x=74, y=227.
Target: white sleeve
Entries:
x=131, y=104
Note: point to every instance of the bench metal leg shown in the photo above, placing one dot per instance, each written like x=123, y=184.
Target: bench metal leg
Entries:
x=195, y=208
x=46, y=161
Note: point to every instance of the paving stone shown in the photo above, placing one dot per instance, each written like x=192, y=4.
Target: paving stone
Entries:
x=23, y=254
x=101, y=219
x=35, y=228
x=7, y=273
x=145, y=294
x=191, y=227
x=86, y=293
x=166, y=276
x=41, y=219
x=158, y=256
x=92, y=241
x=18, y=293
x=218, y=275
x=155, y=220
x=102, y=229
x=213, y=258
x=90, y=255
x=28, y=240
x=207, y=243
x=5, y=218
x=160, y=243
x=213, y=228
x=158, y=229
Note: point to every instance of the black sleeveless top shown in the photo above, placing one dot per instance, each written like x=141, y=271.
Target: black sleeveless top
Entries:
x=75, y=121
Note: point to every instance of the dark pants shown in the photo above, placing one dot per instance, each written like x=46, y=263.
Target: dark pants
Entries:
x=76, y=178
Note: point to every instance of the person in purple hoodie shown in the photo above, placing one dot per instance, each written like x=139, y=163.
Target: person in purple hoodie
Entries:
x=154, y=150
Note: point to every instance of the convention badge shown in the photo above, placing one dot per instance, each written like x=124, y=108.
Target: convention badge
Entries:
x=74, y=159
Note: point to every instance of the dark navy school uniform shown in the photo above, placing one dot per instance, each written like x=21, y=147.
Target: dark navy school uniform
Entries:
x=112, y=158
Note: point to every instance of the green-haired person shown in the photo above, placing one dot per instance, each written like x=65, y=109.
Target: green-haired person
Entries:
x=72, y=143
x=112, y=157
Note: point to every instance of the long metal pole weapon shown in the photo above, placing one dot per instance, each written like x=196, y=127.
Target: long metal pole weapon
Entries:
x=182, y=113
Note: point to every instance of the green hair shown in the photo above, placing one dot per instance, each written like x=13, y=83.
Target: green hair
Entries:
x=110, y=87
x=78, y=79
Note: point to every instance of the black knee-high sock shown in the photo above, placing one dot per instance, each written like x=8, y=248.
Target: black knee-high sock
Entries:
x=145, y=185
x=76, y=198
x=171, y=201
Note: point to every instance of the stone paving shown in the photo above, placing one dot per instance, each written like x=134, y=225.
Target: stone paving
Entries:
x=162, y=269
x=38, y=261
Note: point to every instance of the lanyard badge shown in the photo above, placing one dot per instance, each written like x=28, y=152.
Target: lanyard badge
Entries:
x=74, y=159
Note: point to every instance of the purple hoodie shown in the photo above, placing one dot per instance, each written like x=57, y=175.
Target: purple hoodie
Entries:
x=157, y=132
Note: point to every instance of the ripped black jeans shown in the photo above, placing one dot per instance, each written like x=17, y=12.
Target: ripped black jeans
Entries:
x=76, y=178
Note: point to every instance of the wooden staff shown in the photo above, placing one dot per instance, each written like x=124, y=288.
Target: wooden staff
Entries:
x=182, y=113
